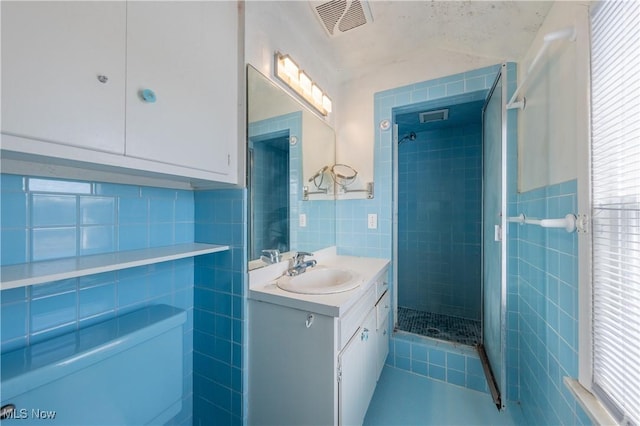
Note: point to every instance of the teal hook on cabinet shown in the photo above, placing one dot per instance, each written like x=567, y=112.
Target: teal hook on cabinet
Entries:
x=148, y=95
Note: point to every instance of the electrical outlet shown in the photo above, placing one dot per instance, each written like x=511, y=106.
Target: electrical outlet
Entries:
x=372, y=221
x=303, y=220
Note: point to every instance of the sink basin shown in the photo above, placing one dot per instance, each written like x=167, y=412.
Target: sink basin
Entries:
x=320, y=280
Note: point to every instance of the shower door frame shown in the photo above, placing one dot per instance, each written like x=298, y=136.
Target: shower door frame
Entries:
x=394, y=222
x=504, y=238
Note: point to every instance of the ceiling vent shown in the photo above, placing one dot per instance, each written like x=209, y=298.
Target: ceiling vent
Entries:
x=340, y=16
x=437, y=115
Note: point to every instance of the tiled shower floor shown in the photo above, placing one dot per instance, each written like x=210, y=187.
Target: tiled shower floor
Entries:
x=439, y=326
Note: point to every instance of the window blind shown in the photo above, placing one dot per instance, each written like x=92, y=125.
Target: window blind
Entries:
x=615, y=155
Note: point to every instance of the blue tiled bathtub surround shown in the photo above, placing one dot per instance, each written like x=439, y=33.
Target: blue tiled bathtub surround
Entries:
x=548, y=307
x=219, y=321
x=52, y=218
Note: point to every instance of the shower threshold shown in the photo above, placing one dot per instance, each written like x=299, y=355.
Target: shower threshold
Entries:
x=439, y=326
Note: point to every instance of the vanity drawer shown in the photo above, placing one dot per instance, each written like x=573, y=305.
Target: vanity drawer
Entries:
x=353, y=318
x=383, y=307
x=382, y=283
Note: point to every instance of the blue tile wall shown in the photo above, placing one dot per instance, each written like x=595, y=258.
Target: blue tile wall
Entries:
x=321, y=224
x=46, y=219
x=548, y=307
x=53, y=218
x=352, y=235
x=451, y=363
x=219, y=310
x=291, y=125
x=269, y=191
x=439, y=221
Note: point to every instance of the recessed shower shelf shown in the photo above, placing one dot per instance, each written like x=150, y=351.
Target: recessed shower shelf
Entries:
x=24, y=274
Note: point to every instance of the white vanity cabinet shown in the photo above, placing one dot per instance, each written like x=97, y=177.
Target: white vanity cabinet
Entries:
x=307, y=366
x=142, y=86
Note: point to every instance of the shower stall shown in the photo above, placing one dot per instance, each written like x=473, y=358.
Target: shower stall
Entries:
x=440, y=220
x=450, y=192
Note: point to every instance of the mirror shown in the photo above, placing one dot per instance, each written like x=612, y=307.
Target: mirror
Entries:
x=290, y=154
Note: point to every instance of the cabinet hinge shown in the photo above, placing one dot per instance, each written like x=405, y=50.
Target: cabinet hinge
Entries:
x=339, y=374
x=228, y=159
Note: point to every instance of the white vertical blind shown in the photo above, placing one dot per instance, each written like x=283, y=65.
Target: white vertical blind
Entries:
x=615, y=151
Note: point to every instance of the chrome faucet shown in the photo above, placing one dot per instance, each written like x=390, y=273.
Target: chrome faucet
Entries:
x=299, y=265
x=271, y=256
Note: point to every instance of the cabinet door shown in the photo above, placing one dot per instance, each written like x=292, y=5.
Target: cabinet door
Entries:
x=350, y=386
x=382, y=343
x=53, y=57
x=358, y=377
x=370, y=360
x=186, y=53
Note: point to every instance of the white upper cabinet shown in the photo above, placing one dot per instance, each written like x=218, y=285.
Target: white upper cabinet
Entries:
x=184, y=53
x=126, y=87
x=54, y=56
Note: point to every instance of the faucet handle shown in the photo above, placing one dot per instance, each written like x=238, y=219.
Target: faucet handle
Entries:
x=301, y=255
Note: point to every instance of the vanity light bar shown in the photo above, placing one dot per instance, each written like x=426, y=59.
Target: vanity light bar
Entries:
x=290, y=73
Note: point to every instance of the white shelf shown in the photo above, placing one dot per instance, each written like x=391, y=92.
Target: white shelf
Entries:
x=25, y=274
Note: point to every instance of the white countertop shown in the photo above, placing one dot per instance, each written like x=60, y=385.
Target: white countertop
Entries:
x=262, y=285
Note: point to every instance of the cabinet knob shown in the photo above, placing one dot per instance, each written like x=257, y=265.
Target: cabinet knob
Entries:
x=103, y=79
x=148, y=96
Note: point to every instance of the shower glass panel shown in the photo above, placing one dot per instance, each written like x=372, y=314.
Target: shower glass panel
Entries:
x=494, y=261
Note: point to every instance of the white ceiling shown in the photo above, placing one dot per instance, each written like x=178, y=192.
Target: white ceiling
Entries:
x=503, y=30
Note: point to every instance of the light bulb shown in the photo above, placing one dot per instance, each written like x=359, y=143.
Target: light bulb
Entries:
x=326, y=103
x=305, y=83
x=316, y=94
x=290, y=68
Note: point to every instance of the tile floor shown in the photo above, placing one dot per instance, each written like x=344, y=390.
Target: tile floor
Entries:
x=403, y=398
x=439, y=326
